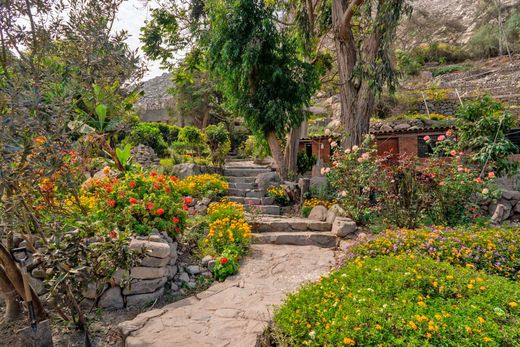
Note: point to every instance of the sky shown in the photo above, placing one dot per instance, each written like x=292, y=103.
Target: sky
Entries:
x=131, y=17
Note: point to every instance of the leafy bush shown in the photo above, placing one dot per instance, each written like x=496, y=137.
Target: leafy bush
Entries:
x=443, y=70
x=205, y=185
x=228, y=228
x=227, y=264
x=170, y=133
x=401, y=301
x=482, y=128
x=491, y=249
x=138, y=203
x=485, y=42
x=256, y=147
x=305, y=163
x=190, y=135
x=407, y=65
x=149, y=135
x=217, y=137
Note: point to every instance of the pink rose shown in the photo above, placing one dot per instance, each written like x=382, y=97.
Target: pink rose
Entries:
x=441, y=138
x=491, y=174
x=426, y=138
x=453, y=152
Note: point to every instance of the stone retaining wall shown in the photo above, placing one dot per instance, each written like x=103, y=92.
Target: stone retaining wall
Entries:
x=507, y=208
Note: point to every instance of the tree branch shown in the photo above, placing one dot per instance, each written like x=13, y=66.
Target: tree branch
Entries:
x=347, y=17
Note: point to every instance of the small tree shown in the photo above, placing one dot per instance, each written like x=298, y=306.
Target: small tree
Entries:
x=219, y=144
x=262, y=77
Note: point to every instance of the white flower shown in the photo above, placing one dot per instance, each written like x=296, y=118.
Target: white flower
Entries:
x=485, y=191
x=327, y=132
x=333, y=144
x=323, y=171
x=343, y=193
x=327, y=170
x=355, y=148
x=312, y=334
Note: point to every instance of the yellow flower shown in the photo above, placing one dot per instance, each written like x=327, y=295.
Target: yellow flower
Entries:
x=487, y=339
x=349, y=341
x=412, y=325
x=481, y=320
x=512, y=304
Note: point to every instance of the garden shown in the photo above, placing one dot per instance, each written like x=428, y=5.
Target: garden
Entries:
x=234, y=209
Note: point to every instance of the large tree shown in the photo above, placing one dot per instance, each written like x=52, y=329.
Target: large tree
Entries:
x=363, y=34
x=263, y=78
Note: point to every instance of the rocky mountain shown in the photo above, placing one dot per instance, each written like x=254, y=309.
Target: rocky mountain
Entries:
x=450, y=21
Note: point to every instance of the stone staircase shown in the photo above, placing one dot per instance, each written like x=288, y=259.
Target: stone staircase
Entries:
x=271, y=227
x=241, y=175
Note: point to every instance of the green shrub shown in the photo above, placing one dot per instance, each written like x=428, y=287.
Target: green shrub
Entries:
x=407, y=64
x=190, y=135
x=485, y=42
x=304, y=162
x=401, y=301
x=227, y=264
x=217, y=138
x=494, y=250
x=170, y=133
x=443, y=70
x=256, y=147
x=149, y=135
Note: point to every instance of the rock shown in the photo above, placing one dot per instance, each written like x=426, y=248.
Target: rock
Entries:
x=111, y=299
x=318, y=183
x=152, y=249
x=362, y=237
x=184, y=277
x=426, y=75
x=154, y=262
x=193, y=269
x=211, y=265
x=508, y=207
x=172, y=271
x=402, y=126
x=174, y=287
x=120, y=275
x=266, y=179
x=206, y=274
x=144, y=286
x=318, y=213
x=201, y=209
x=206, y=260
x=338, y=210
x=386, y=128
x=267, y=200
x=145, y=156
x=191, y=285
x=511, y=195
x=331, y=215
x=92, y=290
x=144, y=299
x=145, y=273
x=498, y=214
x=342, y=227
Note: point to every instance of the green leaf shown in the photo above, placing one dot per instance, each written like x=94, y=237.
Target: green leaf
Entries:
x=101, y=112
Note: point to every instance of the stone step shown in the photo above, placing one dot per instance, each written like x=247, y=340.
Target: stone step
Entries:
x=273, y=210
x=247, y=172
x=301, y=238
x=281, y=224
x=245, y=200
x=232, y=179
x=248, y=193
x=248, y=186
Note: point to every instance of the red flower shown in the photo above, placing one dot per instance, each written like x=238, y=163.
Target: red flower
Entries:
x=113, y=234
x=185, y=207
x=173, y=178
x=175, y=220
x=223, y=260
x=110, y=190
x=491, y=174
x=188, y=200
x=133, y=201
x=177, y=230
x=111, y=202
x=160, y=211
x=156, y=185
x=149, y=205
x=132, y=184
x=153, y=173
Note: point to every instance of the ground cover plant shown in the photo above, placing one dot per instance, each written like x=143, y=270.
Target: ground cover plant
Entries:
x=205, y=185
x=401, y=301
x=495, y=250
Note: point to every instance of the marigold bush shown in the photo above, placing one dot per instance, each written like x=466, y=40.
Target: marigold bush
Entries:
x=138, y=203
x=402, y=301
x=279, y=193
x=204, y=185
x=494, y=250
x=228, y=227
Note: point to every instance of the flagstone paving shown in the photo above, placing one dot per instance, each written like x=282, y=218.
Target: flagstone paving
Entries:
x=235, y=312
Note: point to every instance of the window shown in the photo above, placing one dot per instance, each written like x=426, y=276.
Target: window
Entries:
x=308, y=149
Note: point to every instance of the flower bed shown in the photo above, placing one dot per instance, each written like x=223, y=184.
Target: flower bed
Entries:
x=402, y=301
x=493, y=250
x=138, y=203
x=203, y=185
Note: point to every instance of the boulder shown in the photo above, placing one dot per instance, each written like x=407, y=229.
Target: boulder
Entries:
x=193, y=269
x=330, y=216
x=206, y=260
x=184, y=277
x=318, y=213
x=92, y=290
x=498, y=214
x=145, y=273
x=266, y=179
x=343, y=227
x=154, y=262
x=152, y=249
x=111, y=299
x=172, y=271
x=511, y=195
x=144, y=299
x=144, y=286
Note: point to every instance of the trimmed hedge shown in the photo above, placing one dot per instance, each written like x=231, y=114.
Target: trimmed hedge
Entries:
x=401, y=301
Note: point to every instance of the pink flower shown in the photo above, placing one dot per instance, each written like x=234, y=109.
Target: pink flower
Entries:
x=426, y=138
x=491, y=174
x=449, y=133
x=347, y=151
x=441, y=138
x=442, y=183
x=333, y=144
x=478, y=180
x=453, y=152
x=460, y=169
x=355, y=148
x=365, y=156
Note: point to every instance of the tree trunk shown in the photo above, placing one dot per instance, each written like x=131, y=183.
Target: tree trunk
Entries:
x=13, y=309
x=15, y=278
x=291, y=150
x=276, y=152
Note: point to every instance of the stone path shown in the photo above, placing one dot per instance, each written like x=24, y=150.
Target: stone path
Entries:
x=235, y=312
